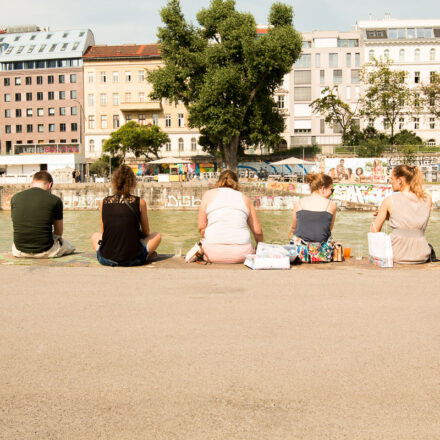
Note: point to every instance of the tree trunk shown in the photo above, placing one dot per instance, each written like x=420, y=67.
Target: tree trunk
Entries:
x=230, y=153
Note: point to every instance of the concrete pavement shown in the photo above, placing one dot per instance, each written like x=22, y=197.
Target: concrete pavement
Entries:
x=160, y=354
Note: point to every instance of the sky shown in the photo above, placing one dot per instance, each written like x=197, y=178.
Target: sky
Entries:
x=136, y=21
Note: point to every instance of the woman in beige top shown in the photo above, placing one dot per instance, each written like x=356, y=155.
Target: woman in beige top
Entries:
x=408, y=210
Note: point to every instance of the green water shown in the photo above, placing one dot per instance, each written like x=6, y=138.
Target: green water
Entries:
x=181, y=226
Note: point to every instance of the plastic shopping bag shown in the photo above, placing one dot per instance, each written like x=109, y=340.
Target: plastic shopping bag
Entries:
x=271, y=256
x=380, y=249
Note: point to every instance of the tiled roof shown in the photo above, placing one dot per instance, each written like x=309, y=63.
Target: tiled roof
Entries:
x=124, y=51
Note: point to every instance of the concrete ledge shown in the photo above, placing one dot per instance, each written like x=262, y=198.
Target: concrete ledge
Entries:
x=169, y=261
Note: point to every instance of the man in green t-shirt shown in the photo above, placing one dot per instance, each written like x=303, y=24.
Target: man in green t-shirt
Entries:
x=37, y=217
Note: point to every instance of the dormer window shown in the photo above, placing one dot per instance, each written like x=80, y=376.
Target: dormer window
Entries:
x=20, y=49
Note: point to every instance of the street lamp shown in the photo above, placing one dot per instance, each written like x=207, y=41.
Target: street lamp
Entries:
x=81, y=112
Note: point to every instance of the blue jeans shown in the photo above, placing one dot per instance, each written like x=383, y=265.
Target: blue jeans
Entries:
x=138, y=261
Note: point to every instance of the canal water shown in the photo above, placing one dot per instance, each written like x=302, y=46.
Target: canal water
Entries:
x=181, y=226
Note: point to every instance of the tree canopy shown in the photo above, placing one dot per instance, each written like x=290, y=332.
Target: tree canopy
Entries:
x=432, y=94
x=140, y=140
x=226, y=74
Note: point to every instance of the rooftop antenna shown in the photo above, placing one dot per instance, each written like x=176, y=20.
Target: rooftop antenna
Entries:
x=370, y=15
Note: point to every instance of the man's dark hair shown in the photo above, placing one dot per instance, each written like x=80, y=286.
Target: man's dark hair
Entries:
x=43, y=176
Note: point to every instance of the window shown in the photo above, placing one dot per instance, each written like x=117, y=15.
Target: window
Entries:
x=73, y=78
x=91, y=99
x=20, y=49
x=62, y=94
x=167, y=120
x=31, y=48
x=18, y=97
x=64, y=47
x=63, y=111
x=181, y=144
x=73, y=126
x=417, y=55
x=355, y=76
x=411, y=33
x=128, y=97
x=280, y=101
x=371, y=55
x=302, y=94
x=401, y=122
x=51, y=128
x=141, y=96
x=321, y=76
x=29, y=112
x=103, y=77
x=432, y=55
x=73, y=94
x=417, y=77
x=432, y=123
x=42, y=47
x=103, y=98
x=348, y=92
x=417, y=99
x=48, y=36
x=402, y=55
x=7, y=113
x=51, y=111
x=386, y=54
x=155, y=119
x=432, y=77
x=92, y=121
x=39, y=96
x=91, y=146
x=115, y=77
x=29, y=128
x=128, y=118
x=127, y=76
x=90, y=77
x=103, y=121
x=337, y=76
x=302, y=76
x=357, y=59
x=6, y=82
x=348, y=59
x=115, y=121
x=115, y=98
x=18, y=129
x=305, y=60
x=322, y=126
x=63, y=127
x=39, y=80
x=392, y=34
x=401, y=33
x=61, y=79
x=73, y=111
x=141, y=75
x=40, y=112
x=18, y=81
x=52, y=48
x=317, y=60
x=356, y=92
x=28, y=96
x=50, y=79
x=18, y=112
x=168, y=146
x=9, y=50
x=416, y=123
x=193, y=144
x=7, y=97
x=333, y=60
x=141, y=119
x=40, y=128
x=28, y=80
x=180, y=120
x=8, y=129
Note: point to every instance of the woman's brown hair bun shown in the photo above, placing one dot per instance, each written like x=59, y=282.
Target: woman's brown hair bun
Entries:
x=318, y=181
x=228, y=179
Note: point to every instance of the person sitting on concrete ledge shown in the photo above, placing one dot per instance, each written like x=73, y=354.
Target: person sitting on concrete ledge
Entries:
x=126, y=239
x=224, y=216
x=37, y=218
x=313, y=220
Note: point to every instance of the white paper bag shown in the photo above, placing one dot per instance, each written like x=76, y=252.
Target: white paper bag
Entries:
x=260, y=263
x=380, y=249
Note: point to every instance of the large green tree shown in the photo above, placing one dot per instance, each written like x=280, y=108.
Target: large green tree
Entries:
x=140, y=140
x=431, y=93
x=387, y=95
x=336, y=111
x=226, y=74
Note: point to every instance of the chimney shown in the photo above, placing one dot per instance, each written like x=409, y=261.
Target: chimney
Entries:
x=388, y=16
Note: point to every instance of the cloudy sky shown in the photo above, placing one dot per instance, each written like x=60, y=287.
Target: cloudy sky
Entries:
x=136, y=21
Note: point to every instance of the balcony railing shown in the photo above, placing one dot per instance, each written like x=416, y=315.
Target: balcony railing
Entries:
x=46, y=149
x=141, y=106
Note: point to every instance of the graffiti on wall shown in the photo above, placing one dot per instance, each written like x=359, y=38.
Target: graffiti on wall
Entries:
x=182, y=202
x=274, y=202
x=81, y=202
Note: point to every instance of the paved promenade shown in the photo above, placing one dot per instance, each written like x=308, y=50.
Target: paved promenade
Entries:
x=163, y=353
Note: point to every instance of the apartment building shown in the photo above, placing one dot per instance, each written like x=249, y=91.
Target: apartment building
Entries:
x=41, y=80
x=328, y=59
x=412, y=46
x=116, y=91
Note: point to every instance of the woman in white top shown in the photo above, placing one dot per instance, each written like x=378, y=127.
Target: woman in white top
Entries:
x=224, y=216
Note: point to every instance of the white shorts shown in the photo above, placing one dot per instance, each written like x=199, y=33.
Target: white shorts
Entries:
x=59, y=248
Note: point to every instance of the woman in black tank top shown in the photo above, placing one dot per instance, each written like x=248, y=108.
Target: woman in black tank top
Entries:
x=125, y=239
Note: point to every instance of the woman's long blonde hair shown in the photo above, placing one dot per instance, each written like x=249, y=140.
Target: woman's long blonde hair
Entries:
x=228, y=179
x=413, y=177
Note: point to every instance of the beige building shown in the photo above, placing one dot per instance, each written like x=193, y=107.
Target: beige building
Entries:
x=116, y=91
